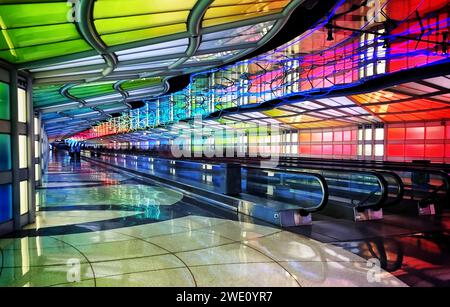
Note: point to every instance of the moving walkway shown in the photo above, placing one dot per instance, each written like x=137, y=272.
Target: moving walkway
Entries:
x=265, y=191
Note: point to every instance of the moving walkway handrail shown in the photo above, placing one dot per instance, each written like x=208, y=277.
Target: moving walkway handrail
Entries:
x=382, y=183
x=445, y=177
x=400, y=192
x=303, y=210
x=320, y=178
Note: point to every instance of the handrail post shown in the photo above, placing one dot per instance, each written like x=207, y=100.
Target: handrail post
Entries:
x=231, y=178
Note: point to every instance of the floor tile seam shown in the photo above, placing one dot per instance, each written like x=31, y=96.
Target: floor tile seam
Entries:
x=87, y=259
x=170, y=252
x=274, y=260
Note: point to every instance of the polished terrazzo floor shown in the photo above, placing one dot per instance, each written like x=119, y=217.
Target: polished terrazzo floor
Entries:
x=99, y=228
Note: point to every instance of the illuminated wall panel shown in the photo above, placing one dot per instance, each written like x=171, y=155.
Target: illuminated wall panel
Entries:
x=430, y=141
x=5, y=202
x=23, y=151
x=23, y=197
x=4, y=101
x=22, y=105
x=5, y=152
x=326, y=143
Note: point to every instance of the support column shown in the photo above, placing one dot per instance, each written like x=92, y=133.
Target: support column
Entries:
x=15, y=149
x=31, y=159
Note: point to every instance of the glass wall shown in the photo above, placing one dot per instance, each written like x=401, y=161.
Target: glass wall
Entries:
x=16, y=139
x=4, y=101
x=5, y=152
x=5, y=202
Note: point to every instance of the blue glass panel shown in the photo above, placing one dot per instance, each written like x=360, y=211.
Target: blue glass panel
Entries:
x=5, y=152
x=5, y=202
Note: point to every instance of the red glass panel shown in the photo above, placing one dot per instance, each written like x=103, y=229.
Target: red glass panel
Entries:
x=338, y=136
x=305, y=149
x=316, y=149
x=447, y=151
x=414, y=150
x=434, y=150
x=415, y=133
x=337, y=149
x=327, y=149
x=347, y=149
x=435, y=133
x=395, y=150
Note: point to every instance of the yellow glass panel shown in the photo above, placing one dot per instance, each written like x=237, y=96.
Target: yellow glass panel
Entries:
x=23, y=197
x=132, y=36
x=23, y=152
x=22, y=105
x=321, y=124
x=277, y=112
x=116, y=8
x=222, y=20
x=121, y=24
x=215, y=12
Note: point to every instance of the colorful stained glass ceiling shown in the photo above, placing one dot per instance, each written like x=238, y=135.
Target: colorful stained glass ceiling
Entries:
x=357, y=42
x=89, y=52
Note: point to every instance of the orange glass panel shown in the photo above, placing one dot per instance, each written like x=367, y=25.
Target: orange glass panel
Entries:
x=396, y=133
x=316, y=137
x=305, y=137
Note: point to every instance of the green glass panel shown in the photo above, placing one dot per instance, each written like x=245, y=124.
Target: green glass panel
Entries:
x=121, y=24
x=25, y=37
x=138, y=35
x=140, y=83
x=110, y=106
x=4, y=101
x=5, y=152
x=40, y=52
x=48, y=95
x=85, y=91
x=32, y=14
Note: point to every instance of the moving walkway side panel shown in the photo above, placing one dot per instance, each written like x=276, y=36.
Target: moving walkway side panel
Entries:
x=289, y=212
